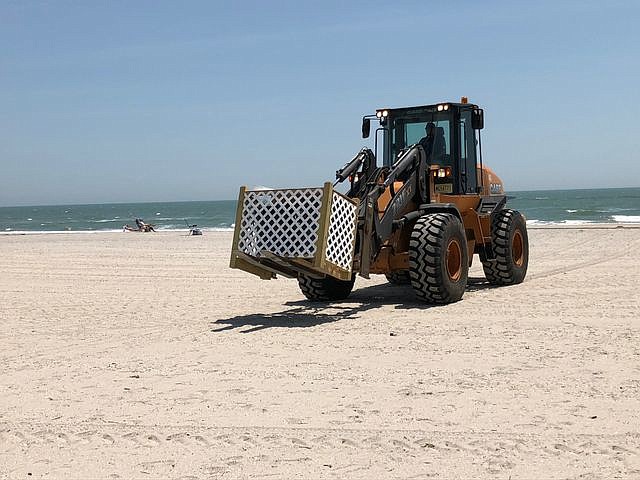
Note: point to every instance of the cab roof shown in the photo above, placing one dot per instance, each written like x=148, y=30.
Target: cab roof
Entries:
x=428, y=108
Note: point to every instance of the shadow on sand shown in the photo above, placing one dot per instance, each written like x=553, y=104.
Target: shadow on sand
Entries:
x=309, y=314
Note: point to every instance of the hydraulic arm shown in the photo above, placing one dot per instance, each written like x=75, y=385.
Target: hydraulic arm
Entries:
x=369, y=184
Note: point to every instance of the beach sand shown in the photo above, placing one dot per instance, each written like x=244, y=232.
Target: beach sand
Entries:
x=144, y=356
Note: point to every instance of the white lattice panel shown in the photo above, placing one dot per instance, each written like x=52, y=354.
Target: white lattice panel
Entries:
x=284, y=222
x=342, y=229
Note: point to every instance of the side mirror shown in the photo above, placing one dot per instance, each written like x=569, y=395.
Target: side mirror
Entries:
x=366, y=127
x=477, y=119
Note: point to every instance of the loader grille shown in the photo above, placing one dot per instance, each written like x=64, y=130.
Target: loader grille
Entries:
x=341, y=232
x=284, y=222
x=293, y=231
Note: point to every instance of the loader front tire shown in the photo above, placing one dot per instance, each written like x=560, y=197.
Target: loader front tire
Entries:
x=399, y=277
x=438, y=258
x=511, y=249
x=325, y=289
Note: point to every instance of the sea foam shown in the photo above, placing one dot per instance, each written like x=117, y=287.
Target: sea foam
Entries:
x=626, y=218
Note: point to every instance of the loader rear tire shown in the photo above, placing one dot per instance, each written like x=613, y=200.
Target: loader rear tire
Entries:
x=399, y=277
x=325, y=289
x=511, y=248
x=438, y=258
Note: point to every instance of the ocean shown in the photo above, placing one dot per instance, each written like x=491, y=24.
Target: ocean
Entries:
x=541, y=207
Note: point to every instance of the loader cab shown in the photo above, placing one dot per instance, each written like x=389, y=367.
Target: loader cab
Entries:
x=452, y=140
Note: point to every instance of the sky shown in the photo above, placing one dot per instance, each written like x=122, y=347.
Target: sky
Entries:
x=135, y=101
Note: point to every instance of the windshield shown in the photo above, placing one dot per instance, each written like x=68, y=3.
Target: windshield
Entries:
x=409, y=131
x=414, y=132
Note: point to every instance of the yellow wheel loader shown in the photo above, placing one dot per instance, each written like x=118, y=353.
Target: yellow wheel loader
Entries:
x=416, y=210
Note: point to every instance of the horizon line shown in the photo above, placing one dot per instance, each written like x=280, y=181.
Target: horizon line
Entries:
x=235, y=199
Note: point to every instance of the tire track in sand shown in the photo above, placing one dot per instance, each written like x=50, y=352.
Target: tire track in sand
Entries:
x=500, y=446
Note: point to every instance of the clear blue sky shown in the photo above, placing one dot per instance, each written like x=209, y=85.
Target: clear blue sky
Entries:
x=119, y=101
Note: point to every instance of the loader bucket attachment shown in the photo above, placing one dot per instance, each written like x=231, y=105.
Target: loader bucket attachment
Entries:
x=292, y=231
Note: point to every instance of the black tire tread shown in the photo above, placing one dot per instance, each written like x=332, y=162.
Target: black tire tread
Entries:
x=425, y=258
x=500, y=271
x=399, y=277
x=325, y=289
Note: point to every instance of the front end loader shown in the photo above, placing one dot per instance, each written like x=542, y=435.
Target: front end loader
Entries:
x=417, y=210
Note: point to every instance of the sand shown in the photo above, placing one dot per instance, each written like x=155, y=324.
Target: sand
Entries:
x=130, y=355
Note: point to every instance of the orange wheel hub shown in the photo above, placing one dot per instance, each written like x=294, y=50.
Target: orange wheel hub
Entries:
x=453, y=260
x=517, y=248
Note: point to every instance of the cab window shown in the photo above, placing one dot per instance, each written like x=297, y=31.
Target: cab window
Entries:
x=414, y=132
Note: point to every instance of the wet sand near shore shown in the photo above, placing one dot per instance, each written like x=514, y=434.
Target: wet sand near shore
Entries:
x=144, y=356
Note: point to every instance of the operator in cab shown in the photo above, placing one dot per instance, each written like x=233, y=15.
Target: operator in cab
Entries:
x=433, y=142
x=426, y=142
